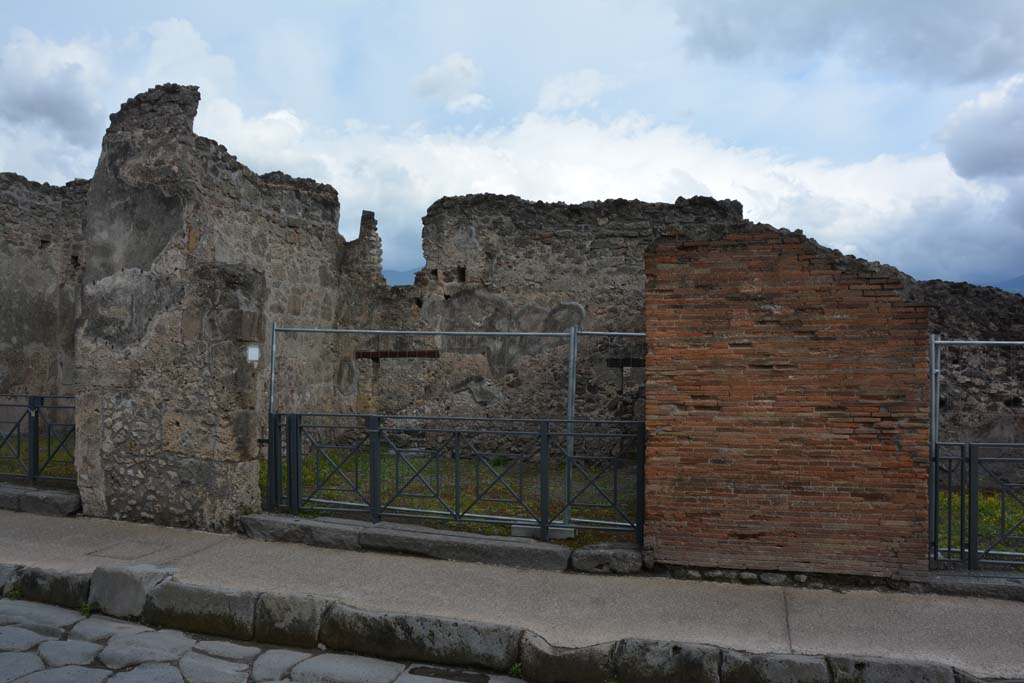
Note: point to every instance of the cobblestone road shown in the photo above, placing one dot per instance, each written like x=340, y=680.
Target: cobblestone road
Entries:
x=46, y=644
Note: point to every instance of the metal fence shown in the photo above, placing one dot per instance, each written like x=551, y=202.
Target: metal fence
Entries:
x=37, y=438
x=481, y=470
x=542, y=472
x=976, y=511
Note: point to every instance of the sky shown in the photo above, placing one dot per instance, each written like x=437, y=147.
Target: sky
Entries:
x=891, y=130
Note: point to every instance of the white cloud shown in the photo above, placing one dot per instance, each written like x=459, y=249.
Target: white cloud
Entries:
x=985, y=135
x=58, y=84
x=573, y=90
x=453, y=80
x=933, y=41
x=179, y=54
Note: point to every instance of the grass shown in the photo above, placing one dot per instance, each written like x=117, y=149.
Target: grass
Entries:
x=14, y=456
x=993, y=509
x=403, y=488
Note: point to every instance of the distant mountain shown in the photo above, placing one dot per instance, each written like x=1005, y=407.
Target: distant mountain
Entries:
x=1013, y=285
x=400, y=277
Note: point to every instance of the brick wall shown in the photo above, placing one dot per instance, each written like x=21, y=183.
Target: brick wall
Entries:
x=787, y=408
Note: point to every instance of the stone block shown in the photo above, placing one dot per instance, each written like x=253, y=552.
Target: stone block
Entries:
x=38, y=617
x=200, y=609
x=68, y=652
x=273, y=528
x=872, y=670
x=17, y=639
x=149, y=673
x=345, y=669
x=225, y=649
x=334, y=533
x=54, y=503
x=200, y=668
x=150, y=647
x=545, y=663
x=742, y=667
x=67, y=589
x=289, y=619
x=67, y=674
x=658, y=661
x=274, y=665
x=443, y=545
x=10, y=496
x=8, y=574
x=608, y=558
x=121, y=591
x=420, y=638
x=17, y=664
x=97, y=629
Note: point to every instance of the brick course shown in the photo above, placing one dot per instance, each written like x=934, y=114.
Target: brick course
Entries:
x=787, y=408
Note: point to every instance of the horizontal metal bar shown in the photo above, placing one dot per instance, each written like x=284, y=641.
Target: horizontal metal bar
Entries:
x=422, y=333
x=976, y=342
x=601, y=333
x=1019, y=444
x=435, y=418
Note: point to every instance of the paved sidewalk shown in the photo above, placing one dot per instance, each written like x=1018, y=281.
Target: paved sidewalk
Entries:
x=46, y=644
x=981, y=636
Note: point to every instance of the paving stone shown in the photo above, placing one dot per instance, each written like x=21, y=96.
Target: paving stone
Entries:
x=99, y=628
x=345, y=669
x=44, y=502
x=420, y=638
x=121, y=591
x=10, y=496
x=608, y=558
x=138, y=648
x=55, y=587
x=66, y=652
x=199, y=609
x=38, y=617
x=275, y=664
x=149, y=673
x=450, y=545
x=743, y=667
x=432, y=674
x=17, y=639
x=17, y=664
x=200, y=668
x=870, y=670
x=68, y=674
x=226, y=650
x=289, y=619
x=545, y=663
x=658, y=661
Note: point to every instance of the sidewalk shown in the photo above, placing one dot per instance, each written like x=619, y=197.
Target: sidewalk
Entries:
x=981, y=636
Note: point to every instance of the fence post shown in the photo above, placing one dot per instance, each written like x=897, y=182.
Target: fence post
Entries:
x=373, y=428
x=545, y=448
x=34, y=403
x=973, y=559
x=273, y=498
x=933, y=449
x=293, y=443
x=458, y=476
x=640, y=482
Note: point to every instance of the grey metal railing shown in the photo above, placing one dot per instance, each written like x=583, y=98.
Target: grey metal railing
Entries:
x=464, y=469
x=37, y=438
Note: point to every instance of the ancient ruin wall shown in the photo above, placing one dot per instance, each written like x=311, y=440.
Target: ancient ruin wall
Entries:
x=189, y=255
x=40, y=266
x=787, y=409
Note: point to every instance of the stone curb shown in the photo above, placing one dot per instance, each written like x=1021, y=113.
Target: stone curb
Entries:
x=39, y=501
x=308, y=621
x=388, y=537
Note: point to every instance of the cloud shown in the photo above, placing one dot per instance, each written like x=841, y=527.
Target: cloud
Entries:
x=56, y=84
x=573, y=90
x=177, y=53
x=985, y=135
x=934, y=41
x=453, y=80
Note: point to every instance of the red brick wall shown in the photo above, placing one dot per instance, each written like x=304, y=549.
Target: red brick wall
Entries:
x=787, y=409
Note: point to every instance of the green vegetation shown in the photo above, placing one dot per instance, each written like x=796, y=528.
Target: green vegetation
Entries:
x=516, y=670
x=85, y=610
x=997, y=515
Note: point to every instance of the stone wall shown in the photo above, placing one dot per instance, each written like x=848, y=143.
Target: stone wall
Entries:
x=787, y=408
x=40, y=267
x=189, y=255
